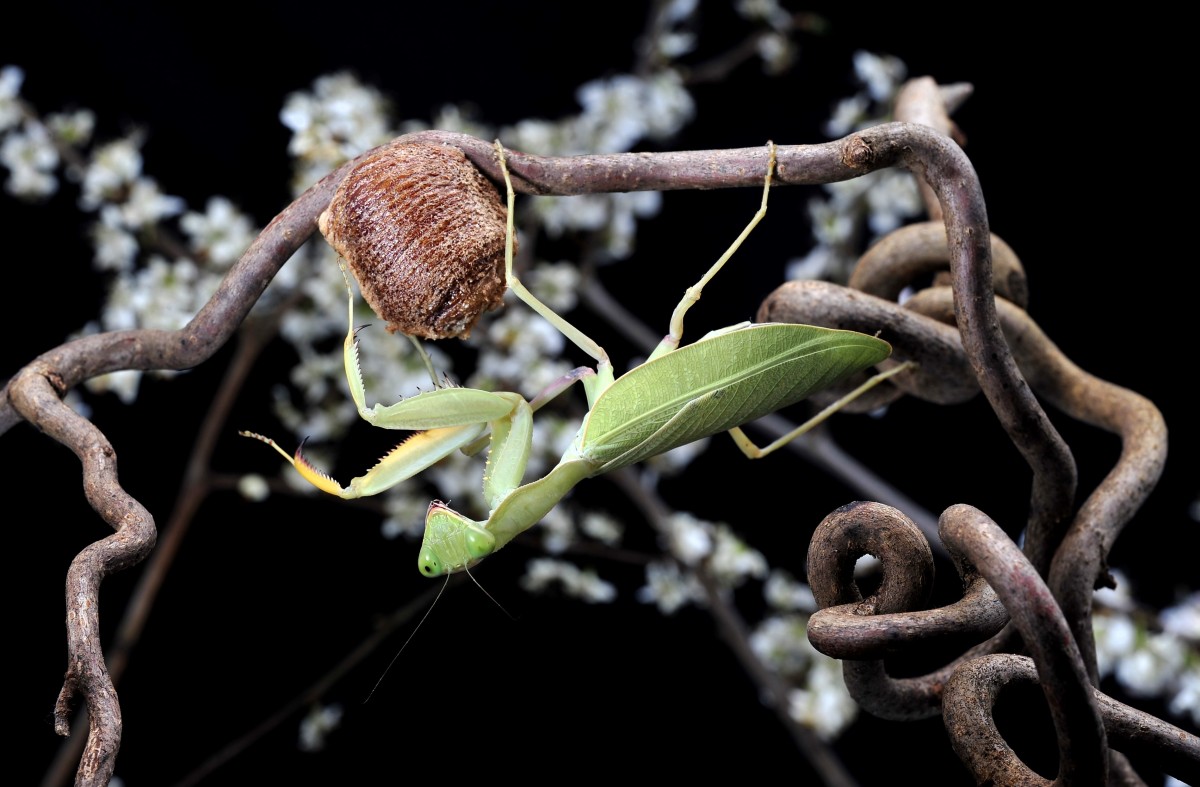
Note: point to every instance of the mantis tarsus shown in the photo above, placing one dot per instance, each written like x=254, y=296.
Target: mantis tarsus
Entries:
x=678, y=395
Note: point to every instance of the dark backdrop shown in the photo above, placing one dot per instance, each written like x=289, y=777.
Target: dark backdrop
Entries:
x=1084, y=168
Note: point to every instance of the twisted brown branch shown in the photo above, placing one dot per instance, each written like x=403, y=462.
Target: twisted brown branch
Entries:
x=1079, y=564
x=33, y=394
x=863, y=631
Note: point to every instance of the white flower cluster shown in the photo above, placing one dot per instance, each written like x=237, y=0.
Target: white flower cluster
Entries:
x=1148, y=655
x=819, y=698
x=28, y=146
x=879, y=202
x=544, y=572
x=335, y=122
x=692, y=542
x=775, y=47
x=153, y=285
x=316, y=726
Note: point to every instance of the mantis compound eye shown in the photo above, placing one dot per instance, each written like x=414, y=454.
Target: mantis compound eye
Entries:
x=429, y=564
x=480, y=543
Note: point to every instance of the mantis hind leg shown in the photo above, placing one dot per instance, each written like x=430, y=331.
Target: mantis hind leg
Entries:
x=692, y=295
x=754, y=452
x=578, y=337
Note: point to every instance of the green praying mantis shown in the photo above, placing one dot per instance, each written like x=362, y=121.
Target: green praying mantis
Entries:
x=729, y=377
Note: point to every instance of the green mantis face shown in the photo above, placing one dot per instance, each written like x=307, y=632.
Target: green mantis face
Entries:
x=679, y=395
x=452, y=541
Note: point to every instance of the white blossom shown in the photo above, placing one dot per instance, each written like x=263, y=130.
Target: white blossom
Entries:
x=786, y=594
x=115, y=246
x=848, y=115
x=337, y=120
x=677, y=11
x=769, y=11
x=688, y=538
x=543, y=573
x=1183, y=619
x=602, y=527
x=1151, y=668
x=893, y=198
x=11, y=78
x=733, y=561
x=668, y=104
x=558, y=530
x=555, y=284
x=112, y=168
x=31, y=157
x=72, y=128
x=819, y=263
x=880, y=74
x=777, y=51
x=669, y=588
x=123, y=383
x=673, y=44
x=316, y=726
x=405, y=512
x=824, y=704
x=1185, y=699
x=781, y=642
x=612, y=112
x=581, y=212
x=453, y=117
x=253, y=487
x=146, y=206
x=220, y=234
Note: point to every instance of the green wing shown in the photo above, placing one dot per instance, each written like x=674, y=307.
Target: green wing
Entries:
x=723, y=381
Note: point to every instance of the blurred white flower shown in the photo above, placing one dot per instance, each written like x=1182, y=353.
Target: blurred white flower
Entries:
x=1185, y=701
x=253, y=487
x=543, y=573
x=11, y=78
x=824, y=705
x=847, y=115
x=733, y=561
x=669, y=588
x=880, y=74
x=555, y=284
x=784, y=593
x=688, y=538
x=145, y=205
x=405, y=512
x=220, y=234
x=671, y=45
x=115, y=246
x=769, y=11
x=777, y=51
x=112, y=168
x=123, y=383
x=781, y=642
x=601, y=527
x=1153, y=666
x=316, y=726
x=558, y=530
x=336, y=121
x=893, y=198
x=30, y=156
x=1183, y=619
x=72, y=128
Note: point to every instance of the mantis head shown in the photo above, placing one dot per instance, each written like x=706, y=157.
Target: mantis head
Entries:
x=452, y=542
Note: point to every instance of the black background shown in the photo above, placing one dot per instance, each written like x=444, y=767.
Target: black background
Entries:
x=1084, y=167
